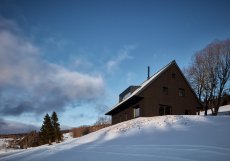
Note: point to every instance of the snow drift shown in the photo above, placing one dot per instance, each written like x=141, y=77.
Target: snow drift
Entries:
x=174, y=138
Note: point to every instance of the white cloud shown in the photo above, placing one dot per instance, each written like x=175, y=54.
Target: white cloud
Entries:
x=122, y=55
x=30, y=84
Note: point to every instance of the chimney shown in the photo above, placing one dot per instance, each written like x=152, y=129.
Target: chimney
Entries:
x=148, y=72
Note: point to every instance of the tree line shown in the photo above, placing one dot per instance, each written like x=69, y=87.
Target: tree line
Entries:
x=209, y=74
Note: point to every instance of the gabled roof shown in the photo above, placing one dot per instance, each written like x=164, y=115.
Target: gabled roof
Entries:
x=142, y=86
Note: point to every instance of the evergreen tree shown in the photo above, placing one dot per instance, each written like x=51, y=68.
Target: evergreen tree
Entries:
x=47, y=131
x=56, y=128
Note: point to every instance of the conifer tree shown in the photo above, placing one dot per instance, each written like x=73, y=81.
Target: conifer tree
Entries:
x=46, y=131
x=56, y=128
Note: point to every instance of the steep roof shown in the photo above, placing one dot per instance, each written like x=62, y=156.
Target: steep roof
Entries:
x=143, y=86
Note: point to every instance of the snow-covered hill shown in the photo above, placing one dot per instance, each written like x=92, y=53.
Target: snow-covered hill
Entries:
x=223, y=110
x=164, y=138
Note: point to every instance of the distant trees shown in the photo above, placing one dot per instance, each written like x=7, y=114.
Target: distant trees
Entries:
x=103, y=120
x=209, y=73
x=85, y=130
x=50, y=130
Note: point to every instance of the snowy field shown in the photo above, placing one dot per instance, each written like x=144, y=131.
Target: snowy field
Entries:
x=4, y=143
x=162, y=138
x=223, y=110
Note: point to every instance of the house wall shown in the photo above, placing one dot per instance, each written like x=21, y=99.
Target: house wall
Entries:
x=127, y=114
x=154, y=97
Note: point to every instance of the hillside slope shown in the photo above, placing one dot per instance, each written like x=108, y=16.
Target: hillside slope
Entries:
x=179, y=138
x=223, y=110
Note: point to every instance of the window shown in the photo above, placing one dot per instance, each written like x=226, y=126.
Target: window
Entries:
x=173, y=75
x=165, y=90
x=187, y=112
x=136, y=112
x=165, y=110
x=161, y=111
x=181, y=92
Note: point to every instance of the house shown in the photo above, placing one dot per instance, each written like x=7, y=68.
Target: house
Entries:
x=167, y=92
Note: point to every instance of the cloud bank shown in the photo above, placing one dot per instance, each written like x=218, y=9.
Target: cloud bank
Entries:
x=29, y=84
x=12, y=127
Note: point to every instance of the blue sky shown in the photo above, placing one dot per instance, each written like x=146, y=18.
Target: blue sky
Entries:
x=75, y=57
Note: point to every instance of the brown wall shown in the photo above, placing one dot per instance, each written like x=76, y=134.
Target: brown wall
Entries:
x=154, y=96
x=121, y=116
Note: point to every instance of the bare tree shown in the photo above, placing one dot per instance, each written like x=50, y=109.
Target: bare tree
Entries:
x=209, y=73
x=195, y=75
x=105, y=120
x=223, y=73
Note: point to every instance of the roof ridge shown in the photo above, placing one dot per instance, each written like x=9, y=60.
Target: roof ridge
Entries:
x=172, y=62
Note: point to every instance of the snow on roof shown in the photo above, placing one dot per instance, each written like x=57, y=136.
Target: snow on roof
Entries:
x=143, y=85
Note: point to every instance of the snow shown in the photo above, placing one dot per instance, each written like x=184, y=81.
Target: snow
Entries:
x=174, y=138
x=223, y=110
x=3, y=144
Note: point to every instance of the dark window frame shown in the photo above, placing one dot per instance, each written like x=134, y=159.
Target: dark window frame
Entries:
x=165, y=110
x=187, y=112
x=135, y=114
x=181, y=92
x=165, y=90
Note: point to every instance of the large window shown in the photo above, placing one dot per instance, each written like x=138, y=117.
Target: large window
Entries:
x=136, y=111
x=165, y=110
x=181, y=92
